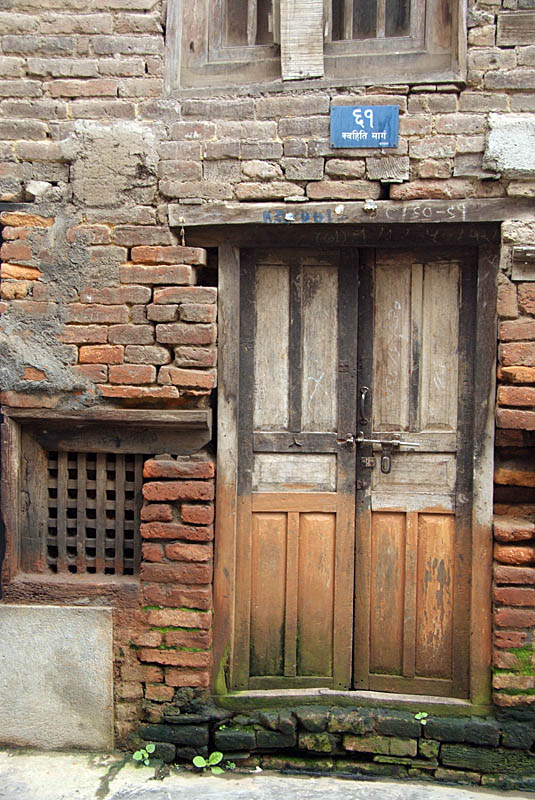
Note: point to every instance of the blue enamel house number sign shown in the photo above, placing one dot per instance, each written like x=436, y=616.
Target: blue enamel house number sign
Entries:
x=364, y=126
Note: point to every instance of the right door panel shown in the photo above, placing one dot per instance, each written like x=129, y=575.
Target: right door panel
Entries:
x=416, y=334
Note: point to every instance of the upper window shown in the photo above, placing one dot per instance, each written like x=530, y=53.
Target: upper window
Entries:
x=217, y=43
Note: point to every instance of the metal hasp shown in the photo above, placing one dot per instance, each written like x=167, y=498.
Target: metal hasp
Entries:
x=387, y=445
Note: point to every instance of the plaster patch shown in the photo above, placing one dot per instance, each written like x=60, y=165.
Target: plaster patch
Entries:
x=114, y=164
x=56, y=685
x=510, y=146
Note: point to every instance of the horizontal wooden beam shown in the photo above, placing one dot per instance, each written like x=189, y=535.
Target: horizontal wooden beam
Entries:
x=118, y=416
x=339, y=213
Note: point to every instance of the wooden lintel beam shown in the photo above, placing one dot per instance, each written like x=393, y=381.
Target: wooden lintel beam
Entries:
x=381, y=211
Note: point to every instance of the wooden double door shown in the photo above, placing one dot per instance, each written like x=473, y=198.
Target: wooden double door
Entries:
x=355, y=407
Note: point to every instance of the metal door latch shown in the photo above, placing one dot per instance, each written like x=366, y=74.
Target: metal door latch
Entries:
x=387, y=446
x=368, y=462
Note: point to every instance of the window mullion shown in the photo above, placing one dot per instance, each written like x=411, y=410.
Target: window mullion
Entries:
x=301, y=39
x=252, y=21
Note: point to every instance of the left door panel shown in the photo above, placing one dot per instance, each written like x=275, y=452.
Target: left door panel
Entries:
x=296, y=474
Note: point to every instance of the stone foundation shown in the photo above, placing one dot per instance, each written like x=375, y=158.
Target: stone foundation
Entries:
x=492, y=751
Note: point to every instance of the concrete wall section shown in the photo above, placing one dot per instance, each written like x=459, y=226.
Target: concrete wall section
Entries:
x=62, y=696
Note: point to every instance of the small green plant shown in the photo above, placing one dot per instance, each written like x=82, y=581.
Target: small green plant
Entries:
x=213, y=761
x=143, y=755
x=421, y=716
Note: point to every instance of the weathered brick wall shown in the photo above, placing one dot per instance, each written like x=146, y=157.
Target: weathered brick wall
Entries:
x=101, y=303
x=176, y=576
x=514, y=528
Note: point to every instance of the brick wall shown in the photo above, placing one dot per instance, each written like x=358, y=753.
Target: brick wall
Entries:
x=514, y=529
x=102, y=303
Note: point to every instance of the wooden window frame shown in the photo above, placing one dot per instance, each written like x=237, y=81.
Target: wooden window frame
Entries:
x=115, y=431
x=227, y=497
x=197, y=58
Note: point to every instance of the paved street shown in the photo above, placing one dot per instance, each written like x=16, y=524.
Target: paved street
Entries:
x=74, y=776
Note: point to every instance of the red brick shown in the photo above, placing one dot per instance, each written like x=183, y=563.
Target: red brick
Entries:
x=152, y=552
x=108, y=354
x=122, y=392
x=151, y=354
x=518, y=354
x=180, y=468
x=176, y=573
x=514, y=618
x=157, y=512
x=455, y=188
x=161, y=392
x=144, y=672
x=526, y=298
x=515, y=395
x=133, y=374
x=92, y=234
x=516, y=374
x=198, y=312
x=152, y=713
x=178, y=490
x=513, y=681
x=512, y=575
x=517, y=330
x=173, y=530
x=185, y=333
x=506, y=437
x=179, y=677
x=131, y=334
x=173, y=274
x=22, y=219
x=196, y=597
x=513, y=530
x=116, y=295
x=507, y=301
x=159, y=693
x=33, y=374
x=512, y=700
x=169, y=255
x=179, y=618
x=515, y=555
x=197, y=379
x=197, y=515
x=23, y=400
x=510, y=638
x=155, y=593
x=84, y=334
x=514, y=596
x=188, y=638
x=98, y=373
x=147, y=639
x=130, y=691
x=16, y=252
x=162, y=313
x=175, y=658
x=510, y=418
x=135, y=235
x=186, y=294
x=504, y=660
x=191, y=356
x=188, y=552
x=85, y=313
x=15, y=272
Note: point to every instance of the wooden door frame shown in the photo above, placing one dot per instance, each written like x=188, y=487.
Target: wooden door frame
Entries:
x=483, y=444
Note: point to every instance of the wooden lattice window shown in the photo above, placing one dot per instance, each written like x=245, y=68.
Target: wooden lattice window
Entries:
x=72, y=486
x=93, y=504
